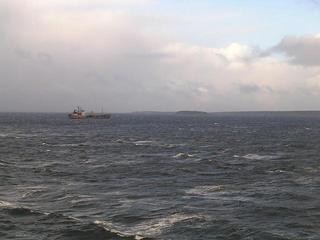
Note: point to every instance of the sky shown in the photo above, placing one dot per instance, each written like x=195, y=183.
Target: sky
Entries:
x=159, y=55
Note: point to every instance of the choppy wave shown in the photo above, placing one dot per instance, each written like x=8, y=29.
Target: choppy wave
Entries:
x=111, y=228
x=219, y=194
x=151, y=228
x=4, y=163
x=152, y=177
x=30, y=191
x=66, y=227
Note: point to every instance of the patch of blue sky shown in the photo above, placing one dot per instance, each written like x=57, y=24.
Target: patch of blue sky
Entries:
x=222, y=22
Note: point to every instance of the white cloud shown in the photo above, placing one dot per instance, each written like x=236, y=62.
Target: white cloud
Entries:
x=237, y=52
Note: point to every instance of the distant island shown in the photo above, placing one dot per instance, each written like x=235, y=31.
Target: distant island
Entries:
x=191, y=113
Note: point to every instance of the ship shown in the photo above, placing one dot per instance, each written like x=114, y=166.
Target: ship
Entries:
x=79, y=113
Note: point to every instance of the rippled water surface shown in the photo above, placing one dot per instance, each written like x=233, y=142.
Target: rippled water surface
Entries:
x=220, y=176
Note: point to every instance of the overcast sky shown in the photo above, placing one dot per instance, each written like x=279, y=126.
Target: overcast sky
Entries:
x=161, y=55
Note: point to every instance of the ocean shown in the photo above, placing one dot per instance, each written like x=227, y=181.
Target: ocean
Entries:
x=160, y=176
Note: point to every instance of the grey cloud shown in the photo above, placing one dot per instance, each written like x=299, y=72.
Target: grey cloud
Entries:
x=28, y=55
x=23, y=53
x=249, y=88
x=44, y=57
x=301, y=50
x=254, y=88
x=153, y=55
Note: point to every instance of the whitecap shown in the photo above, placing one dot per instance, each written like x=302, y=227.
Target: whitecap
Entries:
x=174, y=145
x=89, y=161
x=31, y=192
x=71, y=144
x=183, y=155
x=149, y=228
x=277, y=171
x=83, y=199
x=157, y=226
x=4, y=204
x=143, y=143
x=111, y=228
x=26, y=135
x=205, y=190
x=252, y=156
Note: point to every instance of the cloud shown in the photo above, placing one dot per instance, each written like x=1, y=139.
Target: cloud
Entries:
x=301, y=50
x=23, y=53
x=44, y=57
x=238, y=52
x=249, y=88
x=54, y=57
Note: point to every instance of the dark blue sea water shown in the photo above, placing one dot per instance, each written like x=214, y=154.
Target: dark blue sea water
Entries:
x=139, y=176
